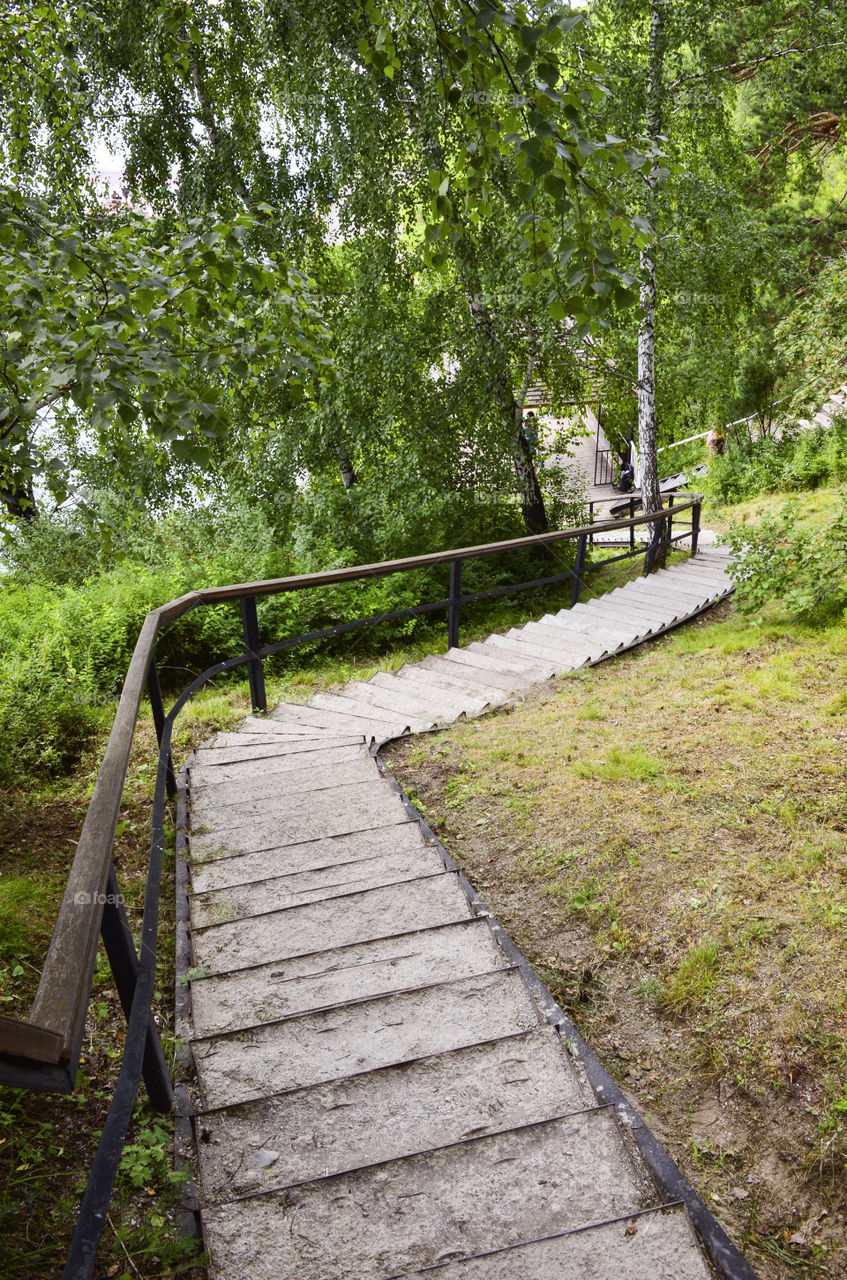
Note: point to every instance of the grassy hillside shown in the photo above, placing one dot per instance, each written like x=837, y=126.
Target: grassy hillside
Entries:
x=665, y=835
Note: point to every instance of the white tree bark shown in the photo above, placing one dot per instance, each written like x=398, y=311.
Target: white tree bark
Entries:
x=647, y=435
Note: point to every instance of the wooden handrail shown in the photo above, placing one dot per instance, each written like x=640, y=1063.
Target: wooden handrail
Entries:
x=272, y=586
x=57, y=1017
x=62, y=997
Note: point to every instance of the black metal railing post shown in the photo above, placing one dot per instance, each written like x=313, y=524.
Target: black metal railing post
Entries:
x=157, y=707
x=632, y=526
x=579, y=569
x=123, y=960
x=455, y=606
x=669, y=533
x=252, y=644
x=695, y=527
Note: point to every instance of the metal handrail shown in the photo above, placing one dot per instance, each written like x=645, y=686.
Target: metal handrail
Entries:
x=42, y=1053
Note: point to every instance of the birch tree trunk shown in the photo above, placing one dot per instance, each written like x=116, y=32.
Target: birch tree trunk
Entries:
x=647, y=438
x=510, y=408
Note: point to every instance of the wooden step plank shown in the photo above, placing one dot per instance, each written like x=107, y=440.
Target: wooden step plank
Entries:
x=448, y=702
x=386, y=1114
x=490, y=1192
x=658, y=1244
x=491, y=681
x=306, y=862
x=336, y=922
x=333, y=1043
x=358, y=971
x=559, y=659
x=522, y=665
x=274, y=893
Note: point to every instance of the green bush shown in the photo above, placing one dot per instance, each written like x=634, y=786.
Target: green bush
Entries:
x=800, y=460
x=805, y=569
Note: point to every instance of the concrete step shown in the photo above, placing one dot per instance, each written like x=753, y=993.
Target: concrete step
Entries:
x=305, y=816
x=451, y=701
x=359, y=971
x=351, y=917
x=278, y=892
x=523, y=664
x=658, y=1244
x=486, y=1193
x=441, y=675
x=311, y=861
x=280, y=784
x=347, y=1040
x=383, y=1115
x=559, y=660
x=284, y=765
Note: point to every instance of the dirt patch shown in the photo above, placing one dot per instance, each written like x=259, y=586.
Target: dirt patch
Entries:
x=664, y=838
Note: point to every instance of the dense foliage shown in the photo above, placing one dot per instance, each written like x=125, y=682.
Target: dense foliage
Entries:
x=805, y=569
x=348, y=239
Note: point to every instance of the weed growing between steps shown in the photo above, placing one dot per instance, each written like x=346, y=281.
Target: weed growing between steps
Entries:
x=665, y=836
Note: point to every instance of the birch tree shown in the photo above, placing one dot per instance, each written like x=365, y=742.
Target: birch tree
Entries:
x=651, y=499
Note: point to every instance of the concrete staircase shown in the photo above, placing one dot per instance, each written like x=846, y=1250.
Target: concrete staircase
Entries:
x=379, y=1091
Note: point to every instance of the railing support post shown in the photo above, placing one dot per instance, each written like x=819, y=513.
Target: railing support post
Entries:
x=157, y=707
x=632, y=526
x=670, y=518
x=123, y=960
x=252, y=644
x=695, y=527
x=454, y=611
x=579, y=569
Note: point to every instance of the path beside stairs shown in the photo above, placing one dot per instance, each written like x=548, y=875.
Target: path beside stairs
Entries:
x=379, y=1092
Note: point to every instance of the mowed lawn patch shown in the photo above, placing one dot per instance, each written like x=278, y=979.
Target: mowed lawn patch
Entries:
x=665, y=835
